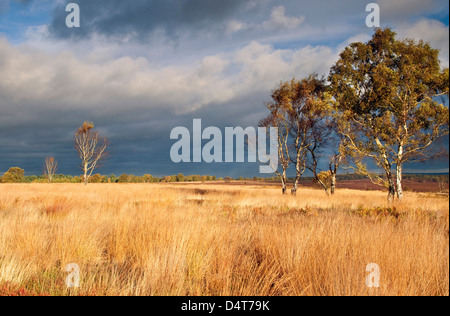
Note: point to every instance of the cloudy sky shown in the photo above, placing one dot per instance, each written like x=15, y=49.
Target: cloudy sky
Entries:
x=139, y=68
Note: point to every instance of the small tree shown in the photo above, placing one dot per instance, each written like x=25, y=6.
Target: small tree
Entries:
x=50, y=168
x=167, y=179
x=76, y=179
x=96, y=178
x=300, y=110
x=339, y=146
x=318, y=129
x=180, y=177
x=124, y=178
x=147, y=178
x=113, y=178
x=91, y=149
x=279, y=118
x=13, y=175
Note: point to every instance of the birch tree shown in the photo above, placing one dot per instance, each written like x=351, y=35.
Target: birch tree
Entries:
x=50, y=168
x=279, y=117
x=91, y=148
x=309, y=109
x=306, y=110
x=388, y=92
x=300, y=110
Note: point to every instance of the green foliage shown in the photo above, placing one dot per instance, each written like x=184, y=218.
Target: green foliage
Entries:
x=300, y=110
x=96, y=178
x=13, y=175
x=147, y=178
x=325, y=177
x=76, y=179
x=386, y=87
x=386, y=93
x=113, y=178
x=123, y=178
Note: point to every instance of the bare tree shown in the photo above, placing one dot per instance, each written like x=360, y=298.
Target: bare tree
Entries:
x=91, y=148
x=50, y=168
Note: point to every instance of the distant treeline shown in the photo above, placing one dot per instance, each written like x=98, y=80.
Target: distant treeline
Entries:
x=17, y=175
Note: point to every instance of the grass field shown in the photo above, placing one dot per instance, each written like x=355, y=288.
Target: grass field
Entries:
x=219, y=240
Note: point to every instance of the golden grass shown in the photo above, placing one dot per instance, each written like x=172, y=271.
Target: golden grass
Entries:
x=219, y=240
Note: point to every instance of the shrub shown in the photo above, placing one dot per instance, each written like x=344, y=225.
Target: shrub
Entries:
x=123, y=178
x=147, y=178
x=378, y=212
x=167, y=179
x=76, y=179
x=13, y=175
x=96, y=178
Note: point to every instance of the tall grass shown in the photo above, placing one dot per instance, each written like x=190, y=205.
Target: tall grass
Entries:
x=220, y=240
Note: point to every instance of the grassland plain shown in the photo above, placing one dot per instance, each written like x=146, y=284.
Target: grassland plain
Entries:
x=166, y=239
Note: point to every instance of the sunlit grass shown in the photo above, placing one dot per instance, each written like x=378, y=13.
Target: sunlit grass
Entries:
x=220, y=240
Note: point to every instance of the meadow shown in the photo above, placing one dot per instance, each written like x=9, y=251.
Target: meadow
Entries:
x=214, y=240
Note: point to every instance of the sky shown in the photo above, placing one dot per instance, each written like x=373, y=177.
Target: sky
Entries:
x=140, y=68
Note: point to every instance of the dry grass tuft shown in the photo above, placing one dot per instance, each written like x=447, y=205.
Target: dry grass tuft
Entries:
x=153, y=239
x=58, y=207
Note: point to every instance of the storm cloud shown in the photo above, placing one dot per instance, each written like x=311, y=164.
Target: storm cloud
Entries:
x=134, y=103
x=139, y=68
x=141, y=18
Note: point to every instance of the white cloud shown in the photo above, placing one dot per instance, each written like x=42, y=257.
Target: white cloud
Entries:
x=264, y=66
x=31, y=78
x=234, y=26
x=279, y=20
x=112, y=78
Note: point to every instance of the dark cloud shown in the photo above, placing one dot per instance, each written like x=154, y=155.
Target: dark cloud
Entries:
x=139, y=139
x=140, y=18
x=140, y=90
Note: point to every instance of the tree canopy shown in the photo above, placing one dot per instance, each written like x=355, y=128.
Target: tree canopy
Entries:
x=387, y=91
